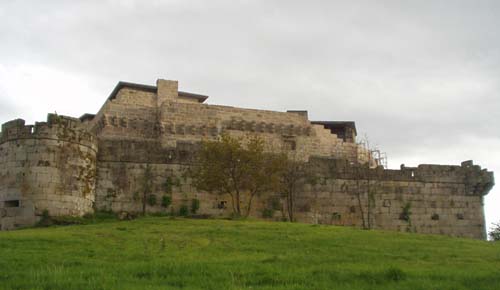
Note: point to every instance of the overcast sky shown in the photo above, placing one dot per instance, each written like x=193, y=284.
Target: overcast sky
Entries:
x=420, y=78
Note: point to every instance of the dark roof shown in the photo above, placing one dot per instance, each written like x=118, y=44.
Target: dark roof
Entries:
x=337, y=124
x=86, y=117
x=201, y=98
x=152, y=89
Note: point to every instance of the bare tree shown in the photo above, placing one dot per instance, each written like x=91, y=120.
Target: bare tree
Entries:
x=293, y=178
x=147, y=186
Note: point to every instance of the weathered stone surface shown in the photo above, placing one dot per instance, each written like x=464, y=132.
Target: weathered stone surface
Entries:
x=68, y=166
x=47, y=167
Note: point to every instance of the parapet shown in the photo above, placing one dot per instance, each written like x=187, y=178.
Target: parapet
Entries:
x=477, y=181
x=302, y=113
x=56, y=127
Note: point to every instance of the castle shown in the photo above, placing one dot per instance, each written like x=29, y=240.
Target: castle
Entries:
x=73, y=166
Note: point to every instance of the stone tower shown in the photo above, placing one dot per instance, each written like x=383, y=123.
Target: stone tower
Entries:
x=49, y=167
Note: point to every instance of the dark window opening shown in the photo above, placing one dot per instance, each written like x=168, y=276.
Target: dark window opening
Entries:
x=11, y=203
x=460, y=216
x=435, y=217
x=222, y=204
x=344, y=130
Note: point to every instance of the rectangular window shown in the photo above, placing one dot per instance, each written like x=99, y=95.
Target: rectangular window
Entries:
x=11, y=203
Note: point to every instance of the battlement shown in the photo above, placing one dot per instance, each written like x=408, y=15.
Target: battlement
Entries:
x=477, y=181
x=70, y=166
x=57, y=127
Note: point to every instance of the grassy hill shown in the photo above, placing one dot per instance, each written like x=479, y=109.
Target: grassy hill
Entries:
x=163, y=253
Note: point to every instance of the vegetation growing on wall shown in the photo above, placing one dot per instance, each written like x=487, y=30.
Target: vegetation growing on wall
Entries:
x=170, y=182
x=406, y=215
x=195, y=205
x=152, y=200
x=268, y=213
x=406, y=212
x=166, y=201
x=183, y=210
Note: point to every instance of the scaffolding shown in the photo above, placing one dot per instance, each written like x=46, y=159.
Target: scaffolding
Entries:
x=379, y=157
x=373, y=155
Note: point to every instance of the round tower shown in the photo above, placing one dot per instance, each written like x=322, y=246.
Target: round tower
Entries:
x=48, y=168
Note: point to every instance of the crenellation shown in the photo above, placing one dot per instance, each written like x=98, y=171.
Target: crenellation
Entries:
x=42, y=160
x=71, y=166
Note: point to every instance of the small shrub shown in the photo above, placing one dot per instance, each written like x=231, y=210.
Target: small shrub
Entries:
x=68, y=220
x=275, y=204
x=90, y=218
x=166, y=201
x=170, y=182
x=126, y=216
x=406, y=212
x=201, y=216
x=495, y=232
x=195, y=205
x=45, y=219
x=158, y=214
x=372, y=277
x=102, y=215
x=152, y=200
x=394, y=274
x=235, y=216
x=183, y=210
x=168, y=185
x=267, y=213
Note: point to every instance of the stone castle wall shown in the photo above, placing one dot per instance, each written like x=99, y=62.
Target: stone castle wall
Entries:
x=439, y=199
x=46, y=167
x=281, y=130
x=135, y=114
x=137, y=127
x=131, y=115
x=151, y=134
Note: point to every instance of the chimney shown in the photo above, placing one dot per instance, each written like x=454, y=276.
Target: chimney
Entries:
x=166, y=90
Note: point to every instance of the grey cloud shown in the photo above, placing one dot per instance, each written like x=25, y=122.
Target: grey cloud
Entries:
x=419, y=77
x=410, y=73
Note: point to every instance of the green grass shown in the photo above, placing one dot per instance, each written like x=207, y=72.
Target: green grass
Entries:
x=162, y=253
